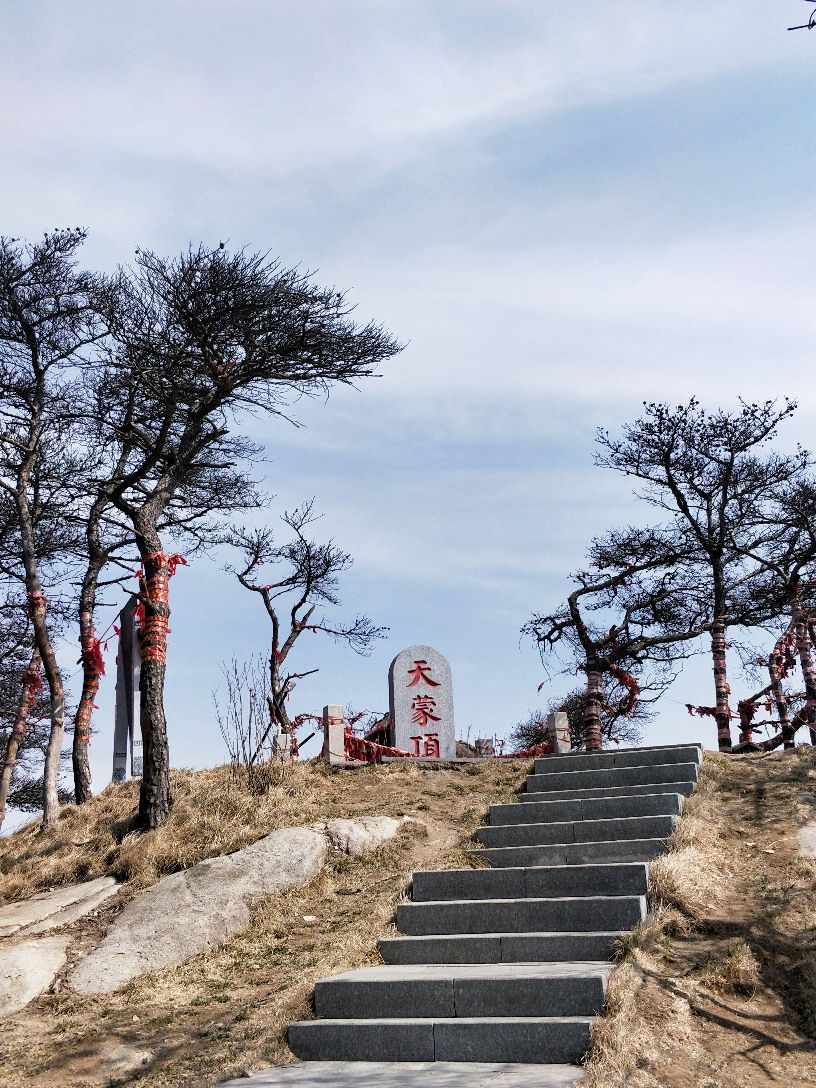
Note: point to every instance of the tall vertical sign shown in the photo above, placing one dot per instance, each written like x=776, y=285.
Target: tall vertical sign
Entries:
x=127, y=733
x=421, y=699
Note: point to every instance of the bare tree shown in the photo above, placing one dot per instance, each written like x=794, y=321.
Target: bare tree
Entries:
x=705, y=470
x=196, y=340
x=306, y=572
x=636, y=579
x=47, y=322
x=243, y=718
x=619, y=725
x=786, y=556
x=20, y=683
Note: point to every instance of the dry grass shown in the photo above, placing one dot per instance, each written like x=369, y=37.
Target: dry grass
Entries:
x=227, y=1010
x=732, y=970
x=718, y=987
x=212, y=815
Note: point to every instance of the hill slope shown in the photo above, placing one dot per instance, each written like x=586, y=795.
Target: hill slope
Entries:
x=227, y=1011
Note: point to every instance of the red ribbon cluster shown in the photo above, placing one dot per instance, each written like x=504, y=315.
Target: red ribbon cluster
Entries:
x=630, y=683
x=702, y=711
x=154, y=620
x=32, y=683
x=93, y=668
x=543, y=749
x=367, y=751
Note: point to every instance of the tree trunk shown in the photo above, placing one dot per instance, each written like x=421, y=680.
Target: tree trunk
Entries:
x=93, y=668
x=154, y=796
x=805, y=651
x=776, y=672
x=592, y=709
x=42, y=637
x=721, y=688
x=31, y=682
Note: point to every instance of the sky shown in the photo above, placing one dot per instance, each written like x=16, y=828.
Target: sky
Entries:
x=561, y=209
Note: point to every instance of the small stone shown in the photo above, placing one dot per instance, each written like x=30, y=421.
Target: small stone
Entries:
x=309, y=917
x=135, y=1019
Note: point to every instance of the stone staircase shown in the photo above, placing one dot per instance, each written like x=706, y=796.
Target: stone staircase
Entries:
x=508, y=964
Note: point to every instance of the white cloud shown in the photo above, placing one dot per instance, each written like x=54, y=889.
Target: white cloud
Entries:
x=278, y=88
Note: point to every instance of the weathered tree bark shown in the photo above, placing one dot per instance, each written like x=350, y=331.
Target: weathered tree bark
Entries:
x=721, y=687
x=93, y=668
x=594, y=705
x=154, y=797
x=805, y=651
x=776, y=672
x=42, y=637
x=28, y=694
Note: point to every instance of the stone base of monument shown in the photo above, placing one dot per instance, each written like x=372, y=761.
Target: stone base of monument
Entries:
x=453, y=761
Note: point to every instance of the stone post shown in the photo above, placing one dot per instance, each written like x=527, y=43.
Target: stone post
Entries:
x=334, y=728
x=282, y=746
x=558, y=731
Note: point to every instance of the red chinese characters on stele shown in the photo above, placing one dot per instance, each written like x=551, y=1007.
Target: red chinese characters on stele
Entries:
x=422, y=711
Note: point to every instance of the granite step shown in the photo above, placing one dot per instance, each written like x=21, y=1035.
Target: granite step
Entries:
x=499, y=947
x=538, y=882
x=612, y=776
x=589, y=913
x=408, y=1074
x=622, y=757
x=572, y=853
x=546, y=811
x=464, y=990
x=631, y=827
x=546, y=794
x=527, y=1039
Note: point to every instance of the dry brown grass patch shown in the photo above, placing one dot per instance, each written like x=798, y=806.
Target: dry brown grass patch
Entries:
x=717, y=988
x=213, y=814
x=732, y=970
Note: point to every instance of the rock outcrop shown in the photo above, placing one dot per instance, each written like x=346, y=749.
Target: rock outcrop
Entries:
x=27, y=970
x=186, y=913
x=51, y=910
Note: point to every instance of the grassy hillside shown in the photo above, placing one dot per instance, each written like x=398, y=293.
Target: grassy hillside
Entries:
x=718, y=988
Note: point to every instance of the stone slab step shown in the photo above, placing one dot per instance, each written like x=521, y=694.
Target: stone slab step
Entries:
x=534, y=1040
x=536, y=795
x=464, y=990
x=613, y=776
x=539, y=882
x=499, y=947
x=573, y=853
x=595, y=808
x=396, y=1074
x=628, y=827
x=580, y=914
x=622, y=757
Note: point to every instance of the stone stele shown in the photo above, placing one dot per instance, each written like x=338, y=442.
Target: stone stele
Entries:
x=421, y=699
